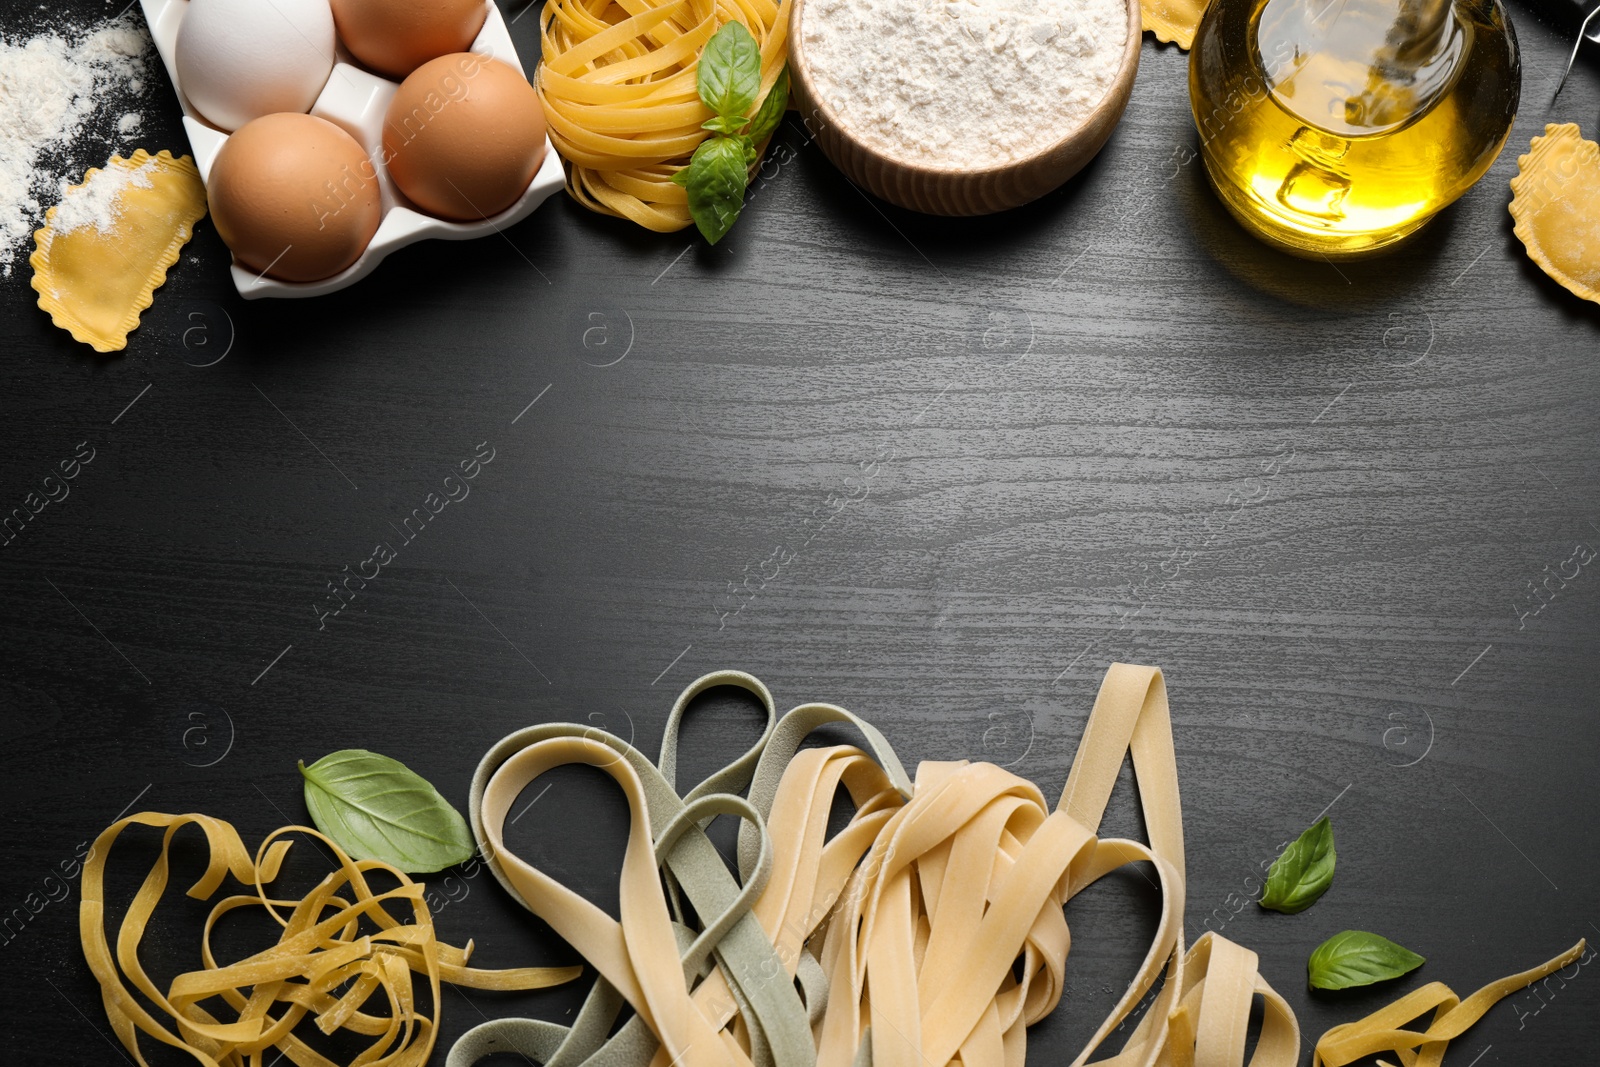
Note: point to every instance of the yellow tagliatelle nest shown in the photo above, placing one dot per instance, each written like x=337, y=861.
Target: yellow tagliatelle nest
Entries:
x=1173, y=21
x=343, y=946
x=105, y=249
x=618, y=86
x=1556, y=204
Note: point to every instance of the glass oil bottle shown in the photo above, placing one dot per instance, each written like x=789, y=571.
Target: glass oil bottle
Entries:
x=1338, y=127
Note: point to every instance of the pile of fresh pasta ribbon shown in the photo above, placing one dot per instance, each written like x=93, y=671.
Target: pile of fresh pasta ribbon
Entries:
x=929, y=931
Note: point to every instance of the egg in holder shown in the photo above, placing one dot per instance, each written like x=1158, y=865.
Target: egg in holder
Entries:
x=358, y=102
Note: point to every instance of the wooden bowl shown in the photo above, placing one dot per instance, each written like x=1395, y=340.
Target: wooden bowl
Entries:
x=960, y=190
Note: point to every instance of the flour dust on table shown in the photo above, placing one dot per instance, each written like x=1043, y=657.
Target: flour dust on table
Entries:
x=53, y=87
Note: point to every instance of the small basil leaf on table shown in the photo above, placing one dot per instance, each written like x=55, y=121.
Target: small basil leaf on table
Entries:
x=1356, y=958
x=717, y=175
x=770, y=113
x=377, y=808
x=729, y=74
x=1303, y=873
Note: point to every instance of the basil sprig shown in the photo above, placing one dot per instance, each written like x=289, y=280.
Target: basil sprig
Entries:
x=1355, y=958
x=377, y=808
x=1303, y=873
x=729, y=80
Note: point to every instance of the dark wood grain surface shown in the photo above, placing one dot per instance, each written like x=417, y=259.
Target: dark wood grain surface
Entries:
x=941, y=472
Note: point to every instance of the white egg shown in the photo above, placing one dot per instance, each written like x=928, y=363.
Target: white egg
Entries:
x=240, y=59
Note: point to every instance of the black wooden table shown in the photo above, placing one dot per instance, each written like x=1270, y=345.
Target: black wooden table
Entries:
x=940, y=472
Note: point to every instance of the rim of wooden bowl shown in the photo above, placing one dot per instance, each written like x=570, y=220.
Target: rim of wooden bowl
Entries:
x=1114, y=100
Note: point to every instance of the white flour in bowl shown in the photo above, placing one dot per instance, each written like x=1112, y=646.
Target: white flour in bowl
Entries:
x=51, y=88
x=962, y=82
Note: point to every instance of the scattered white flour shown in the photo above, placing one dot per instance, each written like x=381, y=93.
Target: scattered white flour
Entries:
x=129, y=122
x=963, y=82
x=51, y=88
x=95, y=203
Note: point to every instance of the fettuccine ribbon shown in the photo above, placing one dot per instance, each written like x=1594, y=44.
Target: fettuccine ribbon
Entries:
x=929, y=931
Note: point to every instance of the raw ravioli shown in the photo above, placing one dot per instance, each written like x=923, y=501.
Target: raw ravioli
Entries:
x=96, y=270
x=1173, y=21
x=1556, y=204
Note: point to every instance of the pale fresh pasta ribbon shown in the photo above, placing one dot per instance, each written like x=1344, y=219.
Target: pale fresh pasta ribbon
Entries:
x=638, y=955
x=769, y=1022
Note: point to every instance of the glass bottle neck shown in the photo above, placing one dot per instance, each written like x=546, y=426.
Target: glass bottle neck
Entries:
x=1357, y=68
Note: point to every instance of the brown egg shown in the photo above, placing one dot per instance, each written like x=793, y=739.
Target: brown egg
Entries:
x=294, y=196
x=395, y=37
x=464, y=136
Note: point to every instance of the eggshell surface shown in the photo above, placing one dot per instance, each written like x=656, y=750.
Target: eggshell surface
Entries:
x=464, y=136
x=395, y=37
x=295, y=197
x=240, y=59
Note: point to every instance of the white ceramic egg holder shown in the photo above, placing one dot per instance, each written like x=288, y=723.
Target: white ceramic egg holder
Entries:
x=356, y=100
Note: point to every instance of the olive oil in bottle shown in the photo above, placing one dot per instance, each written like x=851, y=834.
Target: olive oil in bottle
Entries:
x=1338, y=127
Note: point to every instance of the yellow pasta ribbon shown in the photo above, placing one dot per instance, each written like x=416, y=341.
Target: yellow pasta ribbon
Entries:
x=340, y=946
x=1382, y=1030
x=617, y=78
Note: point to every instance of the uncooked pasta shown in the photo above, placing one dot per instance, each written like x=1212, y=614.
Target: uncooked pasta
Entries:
x=618, y=84
x=930, y=931
x=342, y=945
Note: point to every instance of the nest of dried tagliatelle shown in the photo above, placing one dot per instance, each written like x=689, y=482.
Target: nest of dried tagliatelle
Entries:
x=661, y=108
x=929, y=931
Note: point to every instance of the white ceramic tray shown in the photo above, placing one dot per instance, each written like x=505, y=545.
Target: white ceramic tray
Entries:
x=356, y=100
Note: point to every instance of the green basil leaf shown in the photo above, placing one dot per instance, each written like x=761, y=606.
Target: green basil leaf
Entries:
x=724, y=124
x=717, y=178
x=729, y=76
x=377, y=808
x=770, y=113
x=680, y=178
x=1356, y=957
x=1303, y=873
